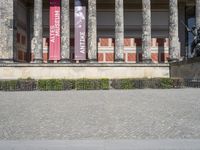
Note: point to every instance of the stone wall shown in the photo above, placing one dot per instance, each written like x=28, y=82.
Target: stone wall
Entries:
x=189, y=69
x=6, y=30
x=77, y=71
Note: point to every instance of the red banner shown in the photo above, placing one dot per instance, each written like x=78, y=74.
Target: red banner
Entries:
x=80, y=30
x=54, y=34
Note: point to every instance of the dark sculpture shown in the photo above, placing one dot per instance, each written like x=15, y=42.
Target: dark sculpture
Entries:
x=195, y=46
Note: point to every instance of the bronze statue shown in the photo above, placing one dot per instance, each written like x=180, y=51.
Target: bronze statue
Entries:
x=195, y=46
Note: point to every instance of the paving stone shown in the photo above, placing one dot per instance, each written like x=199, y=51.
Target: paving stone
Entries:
x=100, y=115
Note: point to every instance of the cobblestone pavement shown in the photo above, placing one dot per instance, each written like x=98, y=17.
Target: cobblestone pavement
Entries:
x=100, y=115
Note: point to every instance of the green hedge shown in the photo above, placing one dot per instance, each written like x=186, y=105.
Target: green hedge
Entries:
x=55, y=85
x=18, y=85
x=123, y=84
x=91, y=84
x=157, y=83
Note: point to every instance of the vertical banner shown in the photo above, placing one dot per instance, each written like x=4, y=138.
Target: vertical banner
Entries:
x=54, y=34
x=80, y=30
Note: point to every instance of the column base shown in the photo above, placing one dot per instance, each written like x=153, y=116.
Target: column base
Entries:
x=170, y=60
x=65, y=61
x=38, y=61
x=119, y=61
x=92, y=61
x=147, y=61
x=2, y=61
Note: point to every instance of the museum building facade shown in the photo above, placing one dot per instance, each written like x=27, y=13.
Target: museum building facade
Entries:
x=96, y=31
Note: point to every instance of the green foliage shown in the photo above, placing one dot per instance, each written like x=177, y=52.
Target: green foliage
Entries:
x=50, y=85
x=123, y=84
x=8, y=85
x=89, y=84
x=26, y=84
x=92, y=84
x=157, y=83
x=68, y=84
x=166, y=83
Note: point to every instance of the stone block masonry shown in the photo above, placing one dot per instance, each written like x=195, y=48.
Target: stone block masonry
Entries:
x=77, y=71
x=6, y=30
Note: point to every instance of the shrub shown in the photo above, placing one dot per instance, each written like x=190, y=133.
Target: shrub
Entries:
x=50, y=85
x=123, y=84
x=92, y=84
x=8, y=85
x=166, y=83
x=68, y=84
x=157, y=83
x=26, y=85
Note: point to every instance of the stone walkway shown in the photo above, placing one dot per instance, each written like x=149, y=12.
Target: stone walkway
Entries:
x=102, y=145
x=100, y=115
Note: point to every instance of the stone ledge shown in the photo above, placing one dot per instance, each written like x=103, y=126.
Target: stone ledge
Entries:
x=188, y=61
x=83, y=65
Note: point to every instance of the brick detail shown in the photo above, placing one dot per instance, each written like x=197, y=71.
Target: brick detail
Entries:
x=109, y=57
x=104, y=42
x=154, y=57
x=131, y=57
x=127, y=42
x=45, y=57
x=100, y=57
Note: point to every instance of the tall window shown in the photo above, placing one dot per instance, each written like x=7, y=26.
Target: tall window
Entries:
x=190, y=21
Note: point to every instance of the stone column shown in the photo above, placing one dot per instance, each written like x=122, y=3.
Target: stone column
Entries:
x=6, y=31
x=146, y=31
x=65, y=31
x=15, y=15
x=92, y=30
x=38, y=32
x=198, y=14
x=119, y=30
x=174, y=45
